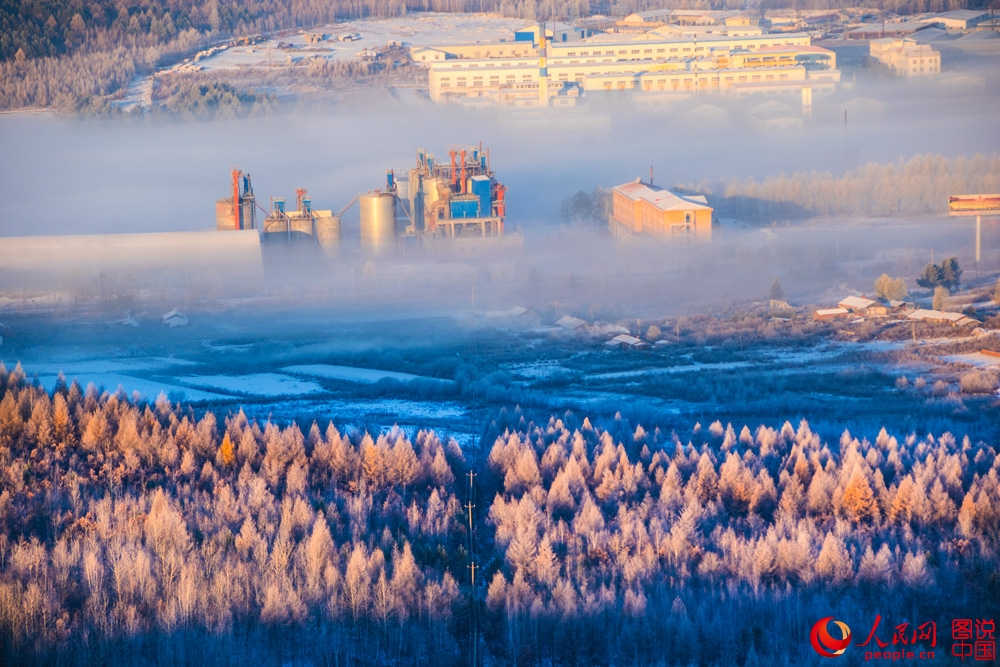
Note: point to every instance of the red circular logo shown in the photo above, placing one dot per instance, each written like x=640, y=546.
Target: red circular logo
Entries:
x=824, y=643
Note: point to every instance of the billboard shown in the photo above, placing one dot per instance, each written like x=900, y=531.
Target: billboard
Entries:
x=974, y=205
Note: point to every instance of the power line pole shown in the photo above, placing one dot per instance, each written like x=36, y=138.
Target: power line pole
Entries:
x=473, y=566
x=472, y=573
x=470, y=506
x=475, y=614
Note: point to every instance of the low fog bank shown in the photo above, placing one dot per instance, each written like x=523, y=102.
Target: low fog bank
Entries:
x=64, y=176
x=571, y=269
x=69, y=176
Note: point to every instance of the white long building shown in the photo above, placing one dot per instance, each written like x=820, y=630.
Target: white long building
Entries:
x=665, y=64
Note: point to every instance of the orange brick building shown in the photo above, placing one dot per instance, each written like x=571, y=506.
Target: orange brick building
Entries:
x=643, y=208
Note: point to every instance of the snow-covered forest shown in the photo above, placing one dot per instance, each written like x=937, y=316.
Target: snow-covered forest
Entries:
x=918, y=185
x=139, y=532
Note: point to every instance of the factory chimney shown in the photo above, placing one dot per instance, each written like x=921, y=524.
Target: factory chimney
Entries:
x=462, y=186
x=236, y=199
x=650, y=173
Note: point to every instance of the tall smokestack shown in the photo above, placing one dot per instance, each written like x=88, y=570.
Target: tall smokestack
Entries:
x=236, y=199
x=462, y=187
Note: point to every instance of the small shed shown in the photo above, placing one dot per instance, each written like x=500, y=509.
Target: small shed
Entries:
x=831, y=313
x=941, y=316
x=856, y=304
x=427, y=55
x=864, y=306
x=626, y=340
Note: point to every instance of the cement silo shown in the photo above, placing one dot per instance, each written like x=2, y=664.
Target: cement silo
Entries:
x=378, y=220
x=327, y=231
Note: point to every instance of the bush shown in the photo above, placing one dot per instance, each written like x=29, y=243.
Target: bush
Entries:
x=940, y=294
x=890, y=288
x=978, y=382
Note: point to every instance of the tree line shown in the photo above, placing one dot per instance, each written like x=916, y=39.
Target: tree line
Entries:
x=134, y=531
x=918, y=185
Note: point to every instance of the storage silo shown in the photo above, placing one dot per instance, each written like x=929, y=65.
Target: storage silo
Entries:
x=224, y=214
x=327, y=231
x=301, y=223
x=482, y=189
x=378, y=220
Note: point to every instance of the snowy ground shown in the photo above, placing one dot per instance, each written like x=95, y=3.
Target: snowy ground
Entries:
x=974, y=359
x=134, y=387
x=419, y=372
x=422, y=29
x=138, y=95
x=255, y=384
x=354, y=374
x=412, y=30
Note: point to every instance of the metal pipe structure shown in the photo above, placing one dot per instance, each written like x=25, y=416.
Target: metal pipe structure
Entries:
x=236, y=199
x=499, y=199
x=463, y=186
x=342, y=211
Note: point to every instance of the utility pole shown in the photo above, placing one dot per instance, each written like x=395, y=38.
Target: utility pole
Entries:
x=473, y=566
x=470, y=506
x=475, y=614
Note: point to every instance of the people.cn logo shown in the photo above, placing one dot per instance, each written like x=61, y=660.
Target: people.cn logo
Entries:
x=824, y=643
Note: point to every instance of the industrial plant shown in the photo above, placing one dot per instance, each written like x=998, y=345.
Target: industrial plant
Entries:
x=455, y=199
x=546, y=67
x=239, y=212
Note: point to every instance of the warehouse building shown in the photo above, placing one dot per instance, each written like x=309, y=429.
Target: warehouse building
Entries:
x=897, y=29
x=906, y=57
x=643, y=208
x=556, y=32
x=717, y=64
x=480, y=51
x=960, y=19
